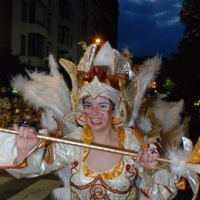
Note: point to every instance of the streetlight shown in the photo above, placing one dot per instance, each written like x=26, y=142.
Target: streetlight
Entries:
x=153, y=85
x=98, y=41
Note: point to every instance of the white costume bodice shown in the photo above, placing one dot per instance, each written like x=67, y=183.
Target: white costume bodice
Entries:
x=117, y=183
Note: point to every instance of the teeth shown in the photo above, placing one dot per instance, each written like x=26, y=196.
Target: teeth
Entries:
x=95, y=120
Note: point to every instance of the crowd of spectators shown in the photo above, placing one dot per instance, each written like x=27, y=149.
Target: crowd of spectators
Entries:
x=13, y=110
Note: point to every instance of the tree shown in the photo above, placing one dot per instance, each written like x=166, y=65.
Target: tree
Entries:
x=186, y=62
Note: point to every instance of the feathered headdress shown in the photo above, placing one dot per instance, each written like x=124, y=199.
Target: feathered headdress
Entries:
x=104, y=72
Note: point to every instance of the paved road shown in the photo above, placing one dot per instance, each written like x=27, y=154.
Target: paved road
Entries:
x=40, y=188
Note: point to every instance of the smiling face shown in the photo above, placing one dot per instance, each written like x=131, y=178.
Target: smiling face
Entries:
x=98, y=113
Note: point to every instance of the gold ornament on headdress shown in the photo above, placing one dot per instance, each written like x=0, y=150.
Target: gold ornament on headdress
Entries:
x=83, y=45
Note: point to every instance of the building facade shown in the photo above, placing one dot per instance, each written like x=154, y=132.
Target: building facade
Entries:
x=35, y=28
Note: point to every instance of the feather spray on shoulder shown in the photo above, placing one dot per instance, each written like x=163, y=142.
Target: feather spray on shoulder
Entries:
x=49, y=92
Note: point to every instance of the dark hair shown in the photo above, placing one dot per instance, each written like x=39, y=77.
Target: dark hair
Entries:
x=111, y=102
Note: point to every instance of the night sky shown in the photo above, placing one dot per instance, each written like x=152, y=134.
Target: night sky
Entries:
x=149, y=27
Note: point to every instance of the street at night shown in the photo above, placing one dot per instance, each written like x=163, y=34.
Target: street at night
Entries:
x=39, y=188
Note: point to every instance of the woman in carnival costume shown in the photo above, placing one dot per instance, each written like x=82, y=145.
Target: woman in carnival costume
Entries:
x=105, y=98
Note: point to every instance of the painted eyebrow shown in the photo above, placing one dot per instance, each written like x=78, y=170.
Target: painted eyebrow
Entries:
x=108, y=103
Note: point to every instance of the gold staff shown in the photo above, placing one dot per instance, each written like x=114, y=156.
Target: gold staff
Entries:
x=91, y=146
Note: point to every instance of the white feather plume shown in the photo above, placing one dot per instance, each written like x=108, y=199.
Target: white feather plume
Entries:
x=168, y=113
x=179, y=159
x=143, y=124
x=48, y=92
x=104, y=56
x=148, y=72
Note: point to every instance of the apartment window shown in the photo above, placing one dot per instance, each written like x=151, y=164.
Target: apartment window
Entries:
x=47, y=51
x=32, y=7
x=23, y=45
x=63, y=35
x=71, y=41
x=49, y=25
x=85, y=9
x=37, y=13
x=83, y=29
x=24, y=10
x=35, y=45
x=40, y=14
x=72, y=17
x=64, y=10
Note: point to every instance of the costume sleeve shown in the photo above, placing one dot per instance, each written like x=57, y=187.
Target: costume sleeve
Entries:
x=156, y=184
x=35, y=163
